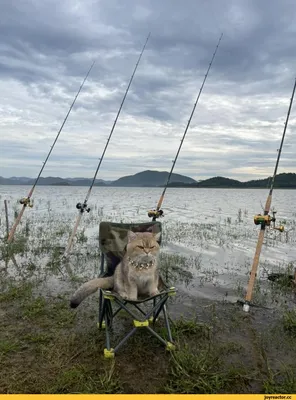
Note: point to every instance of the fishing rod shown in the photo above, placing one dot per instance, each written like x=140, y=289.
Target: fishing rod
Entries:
x=26, y=201
x=154, y=214
x=83, y=206
x=265, y=220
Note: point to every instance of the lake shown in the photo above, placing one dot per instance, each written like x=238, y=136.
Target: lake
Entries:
x=210, y=230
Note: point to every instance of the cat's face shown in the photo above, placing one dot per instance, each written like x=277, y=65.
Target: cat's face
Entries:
x=143, y=247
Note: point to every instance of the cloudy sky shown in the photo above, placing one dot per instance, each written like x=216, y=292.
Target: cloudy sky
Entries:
x=46, y=48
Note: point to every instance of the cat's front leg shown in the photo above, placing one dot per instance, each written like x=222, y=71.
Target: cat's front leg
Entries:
x=133, y=292
x=120, y=289
x=153, y=285
x=153, y=290
x=123, y=294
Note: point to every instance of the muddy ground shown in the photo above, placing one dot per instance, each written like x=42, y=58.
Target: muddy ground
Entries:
x=46, y=347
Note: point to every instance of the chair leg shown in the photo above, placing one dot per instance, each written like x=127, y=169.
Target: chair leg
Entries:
x=157, y=311
x=158, y=306
x=154, y=313
x=125, y=339
x=108, y=351
x=109, y=313
x=101, y=322
x=167, y=324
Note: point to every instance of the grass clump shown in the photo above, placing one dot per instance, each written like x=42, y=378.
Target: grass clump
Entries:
x=174, y=268
x=16, y=292
x=46, y=347
x=190, y=327
x=289, y=322
x=7, y=346
x=17, y=246
x=200, y=371
x=283, y=381
x=81, y=379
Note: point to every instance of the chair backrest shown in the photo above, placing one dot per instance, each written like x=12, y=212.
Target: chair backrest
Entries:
x=113, y=239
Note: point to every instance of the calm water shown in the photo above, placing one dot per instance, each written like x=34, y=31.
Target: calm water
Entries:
x=212, y=227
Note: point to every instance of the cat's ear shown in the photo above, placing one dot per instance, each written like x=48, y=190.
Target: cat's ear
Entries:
x=157, y=236
x=131, y=236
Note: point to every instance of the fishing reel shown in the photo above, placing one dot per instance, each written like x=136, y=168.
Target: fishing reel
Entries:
x=82, y=207
x=26, y=201
x=266, y=220
x=155, y=214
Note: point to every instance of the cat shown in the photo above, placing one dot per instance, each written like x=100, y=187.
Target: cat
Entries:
x=136, y=274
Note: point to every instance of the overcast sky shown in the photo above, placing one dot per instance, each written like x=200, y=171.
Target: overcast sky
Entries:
x=46, y=48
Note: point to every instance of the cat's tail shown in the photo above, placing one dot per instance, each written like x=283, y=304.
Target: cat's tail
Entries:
x=89, y=288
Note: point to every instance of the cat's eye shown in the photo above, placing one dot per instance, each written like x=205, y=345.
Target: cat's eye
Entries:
x=141, y=247
x=152, y=247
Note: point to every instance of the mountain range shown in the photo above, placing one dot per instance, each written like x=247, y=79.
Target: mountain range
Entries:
x=141, y=179
x=283, y=181
x=157, y=179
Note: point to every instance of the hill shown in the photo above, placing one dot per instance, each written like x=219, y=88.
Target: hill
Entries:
x=159, y=178
x=51, y=181
x=141, y=179
x=220, y=181
x=283, y=181
x=150, y=179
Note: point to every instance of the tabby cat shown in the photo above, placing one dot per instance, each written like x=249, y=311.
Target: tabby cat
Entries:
x=136, y=275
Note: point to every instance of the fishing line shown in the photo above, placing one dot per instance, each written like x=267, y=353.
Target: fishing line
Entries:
x=26, y=201
x=82, y=207
x=154, y=214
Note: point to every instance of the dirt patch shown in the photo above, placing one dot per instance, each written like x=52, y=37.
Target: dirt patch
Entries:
x=45, y=347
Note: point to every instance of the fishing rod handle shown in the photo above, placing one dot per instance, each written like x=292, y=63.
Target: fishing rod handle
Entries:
x=253, y=273
x=15, y=225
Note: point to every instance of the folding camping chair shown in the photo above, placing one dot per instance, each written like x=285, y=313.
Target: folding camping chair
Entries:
x=113, y=241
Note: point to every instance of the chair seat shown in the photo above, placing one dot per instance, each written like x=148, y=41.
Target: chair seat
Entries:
x=141, y=299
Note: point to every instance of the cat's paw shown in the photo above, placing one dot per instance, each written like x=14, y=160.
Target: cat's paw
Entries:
x=133, y=298
x=154, y=292
x=123, y=295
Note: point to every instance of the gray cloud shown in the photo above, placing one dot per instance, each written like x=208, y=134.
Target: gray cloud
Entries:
x=47, y=47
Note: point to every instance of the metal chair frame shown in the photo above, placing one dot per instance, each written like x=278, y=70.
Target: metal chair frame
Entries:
x=110, y=303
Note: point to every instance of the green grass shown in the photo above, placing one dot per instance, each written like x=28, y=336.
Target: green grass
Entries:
x=7, y=346
x=283, y=381
x=45, y=347
x=204, y=372
x=15, y=292
x=289, y=322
